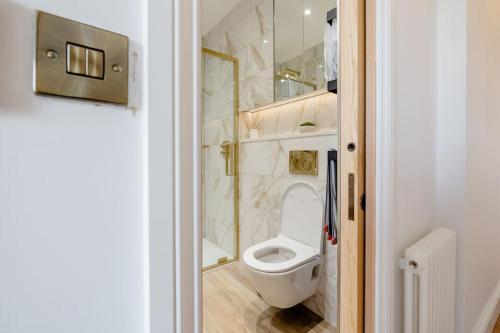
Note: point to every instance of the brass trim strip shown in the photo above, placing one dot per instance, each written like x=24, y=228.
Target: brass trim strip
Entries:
x=219, y=55
x=307, y=83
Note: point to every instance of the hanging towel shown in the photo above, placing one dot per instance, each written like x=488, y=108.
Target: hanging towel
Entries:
x=331, y=49
x=331, y=197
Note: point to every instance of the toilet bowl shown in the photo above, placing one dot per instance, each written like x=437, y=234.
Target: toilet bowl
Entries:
x=286, y=270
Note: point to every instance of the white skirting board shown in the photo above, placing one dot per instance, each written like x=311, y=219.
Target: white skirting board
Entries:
x=488, y=317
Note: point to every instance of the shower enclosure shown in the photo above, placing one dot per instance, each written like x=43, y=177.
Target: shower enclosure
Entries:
x=219, y=108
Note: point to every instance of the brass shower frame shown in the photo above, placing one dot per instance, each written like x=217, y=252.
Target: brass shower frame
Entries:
x=235, y=154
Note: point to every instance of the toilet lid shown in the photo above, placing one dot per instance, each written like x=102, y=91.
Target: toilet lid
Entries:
x=302, y=216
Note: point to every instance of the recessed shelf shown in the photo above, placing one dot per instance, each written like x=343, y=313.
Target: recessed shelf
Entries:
x=290, y=136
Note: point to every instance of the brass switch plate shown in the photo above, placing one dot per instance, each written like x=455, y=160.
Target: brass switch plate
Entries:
x=303, y=162
x=72, y=59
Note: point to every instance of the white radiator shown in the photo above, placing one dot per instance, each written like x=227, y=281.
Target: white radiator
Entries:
x=429, y=283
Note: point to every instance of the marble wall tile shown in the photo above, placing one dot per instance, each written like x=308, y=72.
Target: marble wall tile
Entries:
x=245, y=243
x=246, y=123
x=247, y=33
x=239, y=12
x=212, y=39
x=246, y=63
x=285, y=119
x=262, y=52
x=246, y=101
x=237, y=37
x=326, y=113
x=267, y=158
x=322, y=144
x=270, y=122
x=262, y=17
x=218, y=75
x=213, y=159
x=324, y=302
x=291, y=115
x=263, y=87
x=218, y=209
x=258, y=121
x=219, y=105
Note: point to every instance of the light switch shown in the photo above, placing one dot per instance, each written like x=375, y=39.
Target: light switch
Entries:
x=76, y=59
x=95, y=64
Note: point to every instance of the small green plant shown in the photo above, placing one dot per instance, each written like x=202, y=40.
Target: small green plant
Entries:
x=307, y=123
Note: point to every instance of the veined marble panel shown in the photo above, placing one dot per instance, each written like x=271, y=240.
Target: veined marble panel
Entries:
x=322, y=144
x=326, y=113
x=267, y=158
x=219, y=105
x=285, y=119
x=262, y=18
x=263, y=87
x=218, y=213
x=263, y=52
x=217, y=131
x=212, y=39
x=324, y=302
x=246, y=123
x=237, y=14
x=247, y=65
x=293, y=114
x=246, y=33
x=237, y=37
x=246, y=101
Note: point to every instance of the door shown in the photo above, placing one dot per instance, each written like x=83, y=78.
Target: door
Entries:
x=352, y=164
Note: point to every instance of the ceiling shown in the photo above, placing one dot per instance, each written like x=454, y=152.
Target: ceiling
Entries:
x=213, y=11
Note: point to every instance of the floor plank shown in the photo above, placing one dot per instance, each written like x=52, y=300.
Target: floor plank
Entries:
x=231, y=305
x=497, y=326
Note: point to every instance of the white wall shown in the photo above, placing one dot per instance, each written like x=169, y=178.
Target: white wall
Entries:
x=71, y=225
x=414, y=110
x=450, y=136
x=446, y=72
x=483, y=155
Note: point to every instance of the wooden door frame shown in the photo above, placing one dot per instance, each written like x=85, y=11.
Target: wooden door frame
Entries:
x=352, y=101
x=370, y=178
x=359, y=37
x=173, y=271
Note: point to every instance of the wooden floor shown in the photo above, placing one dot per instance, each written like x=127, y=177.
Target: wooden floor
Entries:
x=497, y=326
x=230, y=305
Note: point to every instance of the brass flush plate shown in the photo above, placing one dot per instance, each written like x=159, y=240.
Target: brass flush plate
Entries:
x=72, y=59
x=303, y=162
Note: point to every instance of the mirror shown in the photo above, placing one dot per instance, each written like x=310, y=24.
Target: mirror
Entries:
x=278, y=45
x=299, y=30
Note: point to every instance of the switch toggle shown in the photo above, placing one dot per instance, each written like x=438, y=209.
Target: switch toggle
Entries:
x=85, y=61
x=95, y=63
x=76, y=59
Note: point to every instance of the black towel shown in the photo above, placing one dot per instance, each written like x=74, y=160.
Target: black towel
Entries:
x=331, y=197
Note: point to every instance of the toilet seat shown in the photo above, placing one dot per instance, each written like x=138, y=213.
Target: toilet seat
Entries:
x=302, y=254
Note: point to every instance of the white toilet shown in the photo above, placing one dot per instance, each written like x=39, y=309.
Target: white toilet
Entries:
x=286, y=269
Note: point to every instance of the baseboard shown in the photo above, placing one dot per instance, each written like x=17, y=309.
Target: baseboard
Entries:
x=488, y=317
